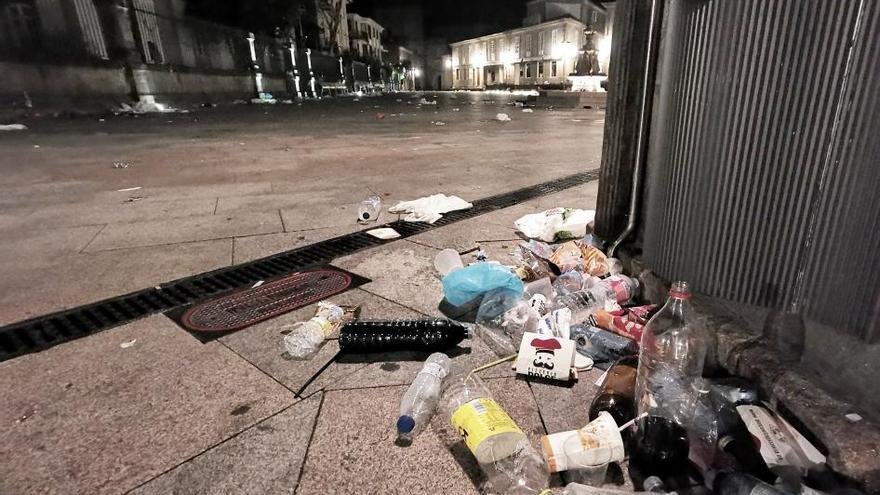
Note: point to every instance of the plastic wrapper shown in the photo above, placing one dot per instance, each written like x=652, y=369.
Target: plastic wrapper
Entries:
x=557, y=224
x=602, y=346
x=466, y=284
x=576, y=255
x=533, y=264
x=502, y=320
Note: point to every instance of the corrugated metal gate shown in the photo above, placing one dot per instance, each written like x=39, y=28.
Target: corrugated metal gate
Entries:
x=763, y=168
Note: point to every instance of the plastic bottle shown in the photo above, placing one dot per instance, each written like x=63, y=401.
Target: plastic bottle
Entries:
x=305, y=338
x=668, y=386
x=420, y=400
x=616, y=394
x=652, y=484
x=731, y=483
x=503, y=451
x=447, y=261
x=369, y=209
x=582, y=303
x=401, y=335
x=600, y=345
x=568, y=282
x=671, y=358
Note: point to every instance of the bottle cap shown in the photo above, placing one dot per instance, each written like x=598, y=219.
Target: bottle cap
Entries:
x=405, y=424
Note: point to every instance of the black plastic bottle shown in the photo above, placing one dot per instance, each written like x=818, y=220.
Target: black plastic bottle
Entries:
x=430, y=335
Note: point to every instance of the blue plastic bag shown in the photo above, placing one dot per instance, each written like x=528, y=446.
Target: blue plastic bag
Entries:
x=465, y=284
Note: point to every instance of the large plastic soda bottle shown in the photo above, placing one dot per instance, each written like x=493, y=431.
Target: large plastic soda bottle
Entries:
x=652, y=484
x=511, y=464
x=420, y=400
x=671, y=359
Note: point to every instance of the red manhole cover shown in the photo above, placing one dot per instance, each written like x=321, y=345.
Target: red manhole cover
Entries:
x=244, y=308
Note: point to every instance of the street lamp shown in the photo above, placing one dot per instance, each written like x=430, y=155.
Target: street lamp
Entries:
x=415, y=73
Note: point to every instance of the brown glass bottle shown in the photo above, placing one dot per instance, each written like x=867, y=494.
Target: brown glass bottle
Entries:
x=617, y=392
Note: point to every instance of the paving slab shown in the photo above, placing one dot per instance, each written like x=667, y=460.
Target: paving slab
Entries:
x=45, y=245
x=353, y=448
x=72, y=280
x=91, y=416
x=464, y=235
x=174, y=231
x=265, y=458
x=400, y=271
x=262, y=344
x=324, y=215
x=259, y=246
x=118, y=210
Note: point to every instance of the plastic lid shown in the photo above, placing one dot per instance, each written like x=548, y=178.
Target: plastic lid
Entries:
x=405, y=424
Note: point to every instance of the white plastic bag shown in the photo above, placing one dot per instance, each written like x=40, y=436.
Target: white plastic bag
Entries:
x=557, y=224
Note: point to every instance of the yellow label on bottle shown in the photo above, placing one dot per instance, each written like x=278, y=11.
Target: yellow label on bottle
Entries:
x=480, y=419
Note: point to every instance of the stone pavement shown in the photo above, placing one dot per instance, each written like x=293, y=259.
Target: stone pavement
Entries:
x=168, y=414
x=171, y=415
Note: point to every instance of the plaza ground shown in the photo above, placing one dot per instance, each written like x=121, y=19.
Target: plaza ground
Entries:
x=221, y=186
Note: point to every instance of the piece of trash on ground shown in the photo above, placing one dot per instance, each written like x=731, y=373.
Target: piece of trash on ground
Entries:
x=132, y=199
x=369, y=209
x=556, y=224
x=13, y=127
x=502, y=117
x=258, y=283
x=853, y=417
x=384, y=233
x=429, y=209
x=126, y=345
x=121, y=164
x=528, y=110
x=439, y=123
x=127, y=189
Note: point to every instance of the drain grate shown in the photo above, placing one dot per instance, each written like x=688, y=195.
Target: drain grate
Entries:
x=46, y=331
x=249, y=306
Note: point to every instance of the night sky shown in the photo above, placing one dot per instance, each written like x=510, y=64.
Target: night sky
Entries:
x=455, y=19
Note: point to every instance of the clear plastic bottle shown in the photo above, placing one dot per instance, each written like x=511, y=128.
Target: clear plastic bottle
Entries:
x=369, y=209
x=652, y=484
x=420, y=400
x=731, y=483
x=502, y=320
x=511, y=464
x=583, y=303
x=671, y=358
x=305, y=338
x=568, y=282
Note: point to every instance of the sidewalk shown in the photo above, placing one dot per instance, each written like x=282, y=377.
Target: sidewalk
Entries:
x=171, y=415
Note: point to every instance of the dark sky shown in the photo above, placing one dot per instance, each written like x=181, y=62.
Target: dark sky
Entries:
x=453, y=19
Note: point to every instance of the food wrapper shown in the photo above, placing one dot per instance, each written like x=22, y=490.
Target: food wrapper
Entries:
x=594, y=261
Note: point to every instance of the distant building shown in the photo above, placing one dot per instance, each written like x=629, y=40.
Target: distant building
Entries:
x=365, y=37
x=399, y=55
x=331, y=18
x=538, y=55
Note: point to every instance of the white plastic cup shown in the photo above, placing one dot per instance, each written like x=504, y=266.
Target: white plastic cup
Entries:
x=446, y=261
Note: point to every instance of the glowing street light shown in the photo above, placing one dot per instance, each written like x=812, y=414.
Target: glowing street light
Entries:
x=448, y=63
x=563, y=50
x=508, y=57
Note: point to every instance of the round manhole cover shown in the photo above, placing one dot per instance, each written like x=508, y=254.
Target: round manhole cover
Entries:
x=244, y=308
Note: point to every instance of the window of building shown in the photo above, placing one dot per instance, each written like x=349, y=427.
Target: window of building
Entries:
x=491, y=51
x=528, y=70
x=540, y=69
x=501, y=46
x=528, y=45
x=553, y=69
x=541, y=43
x=516, y=41
x=554, y=37
x=521, y=69
x=458, y=74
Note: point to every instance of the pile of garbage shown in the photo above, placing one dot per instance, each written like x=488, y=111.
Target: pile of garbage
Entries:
x=562, y=308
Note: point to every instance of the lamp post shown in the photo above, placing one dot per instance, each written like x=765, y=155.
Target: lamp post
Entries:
x=415, y=73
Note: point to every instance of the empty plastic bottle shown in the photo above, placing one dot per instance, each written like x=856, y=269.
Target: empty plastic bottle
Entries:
x=305, y=338
x=511, y=464
x=502, y=319
x=369, y=209
x=582, y=303
x=568, y=282
x=730, y=483
x=401, y=335
x=420, y=400
x=652, y=484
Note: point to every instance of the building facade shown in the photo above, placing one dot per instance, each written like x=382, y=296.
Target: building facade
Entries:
x=542, y=54
x=365, y=36
x=331, y=17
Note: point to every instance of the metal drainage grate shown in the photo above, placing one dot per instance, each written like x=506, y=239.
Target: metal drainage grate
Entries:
x=249, y=306
x=46, y=331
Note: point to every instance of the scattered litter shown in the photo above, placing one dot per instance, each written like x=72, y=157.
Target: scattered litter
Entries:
x=356, y=99
x=456, y=109
x=429, y=209
x=13, y=127
x=258, y=283
x=127, y=189
x=238, y=102
x=502, y=117
x=424, y=101
x=132, y=199
x=384, y=233
x=853, y=417
x=420, y=400
x=264, y=99
x=556, y=224
x=380, y=116
x=528, y=110
x=121, y=164
x=401, y=335
x=369, y=209
x=305, y=338
x=287, y=102
x=146, y=106
x=36, y=146
x=439, y=123
x=100, y=120
x=126, y=345
x=399, y=100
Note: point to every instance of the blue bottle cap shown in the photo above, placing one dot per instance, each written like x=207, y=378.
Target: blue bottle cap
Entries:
x=405, y=424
